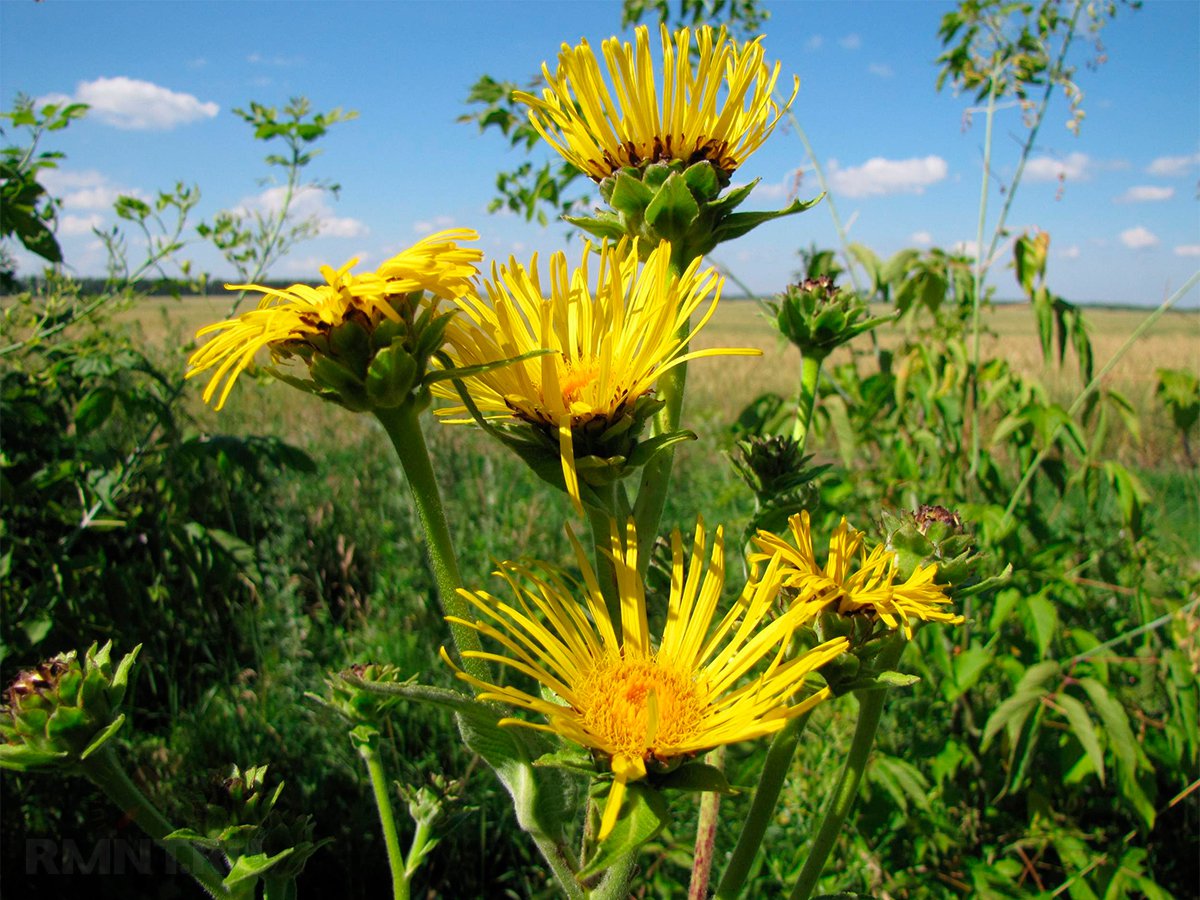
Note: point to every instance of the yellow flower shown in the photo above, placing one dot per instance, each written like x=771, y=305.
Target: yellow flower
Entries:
x=720, y=110
x=853, y=580
x=610, y=343
x=287, y=320
x=627, y=699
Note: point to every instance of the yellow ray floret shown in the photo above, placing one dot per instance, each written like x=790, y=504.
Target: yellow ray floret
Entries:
x=286, y=317
x=853, y=580
x=708, y=680
x=610, y=338
x=715, y=102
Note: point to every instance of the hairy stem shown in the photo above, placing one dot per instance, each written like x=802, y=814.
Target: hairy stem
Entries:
x=706, y=833
x=387, y=821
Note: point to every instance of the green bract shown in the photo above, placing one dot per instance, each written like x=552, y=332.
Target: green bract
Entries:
x=62, y=711
x=675, y=202
x=818, y=317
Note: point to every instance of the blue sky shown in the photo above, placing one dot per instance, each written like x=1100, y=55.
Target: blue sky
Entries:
x=905, y=165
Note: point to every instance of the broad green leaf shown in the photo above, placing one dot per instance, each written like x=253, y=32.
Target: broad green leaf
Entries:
x=643, y=815
x=1043, y=616
x=695, y=776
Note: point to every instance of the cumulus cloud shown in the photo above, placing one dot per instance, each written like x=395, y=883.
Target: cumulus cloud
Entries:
x=1146, y=193
x=1073, y=167
x=1138, y=238
x=84, y=188
x=921, y=238
x=1171, y=166
x=308, y=203
x=134, y=105
x=71, y=224
x=816, y=42
x=1187, y=250
x=850, y=42
x=879, y=176
x=881, y=70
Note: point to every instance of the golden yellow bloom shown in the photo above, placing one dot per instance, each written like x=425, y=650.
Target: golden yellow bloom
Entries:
x=720, y=110
x=610, y=343
x=852, y=580
x=627, y=699
x=285, y=320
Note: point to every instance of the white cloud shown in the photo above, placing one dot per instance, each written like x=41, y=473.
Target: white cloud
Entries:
x=921, y=238
x=965, y=248
x=257, y=59
x=1138, y=238
x=72, y=224
x=1075, y=167
x=437, y=223
x=850, y=42
x=1171, y=166
x=879, y=176
x=1146, y=193
x=1187, y=250
x=135, y=105
x=84, y=188
x=1071, y=252
x=881, y=70
x=308, y=203
x=816, y=42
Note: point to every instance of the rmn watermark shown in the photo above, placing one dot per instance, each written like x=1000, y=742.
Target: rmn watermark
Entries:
x=106, y=856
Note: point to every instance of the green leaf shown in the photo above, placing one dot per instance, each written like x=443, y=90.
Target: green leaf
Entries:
x=22, y=758
x=673, y=209
x=1084, y=729
x=629, y=195
x=1043, y=615
x=99, y=740
x=737, y=224
x=253, y=866
x=644, y=814
x=695, y=776
x=968, y=666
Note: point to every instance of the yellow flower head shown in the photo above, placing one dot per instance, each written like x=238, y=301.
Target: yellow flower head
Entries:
x=853, y=580
x=719, y=108
x=627, y=698
x=609, y=343
x=286, y=320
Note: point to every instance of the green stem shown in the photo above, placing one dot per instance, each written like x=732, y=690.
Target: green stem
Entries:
x=601, y=519
x=656, y=475
x=617, y=878
x=387, y=821
x=810, y=374
x=104, y=771
x=706, y=833
x=762, y=808
x=403, y=426
x=556, y=856
x=870, y=707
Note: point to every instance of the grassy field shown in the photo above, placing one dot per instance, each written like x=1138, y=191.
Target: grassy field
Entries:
x=721, y=387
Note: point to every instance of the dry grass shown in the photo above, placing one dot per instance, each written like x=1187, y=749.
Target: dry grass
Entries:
x=719, y=388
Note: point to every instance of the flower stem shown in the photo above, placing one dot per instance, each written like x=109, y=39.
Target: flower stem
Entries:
x=870, y=707
x=810, y=374
x=556, y=856
x=706, y=833
x=617, y=877
x=104, y=771
x=601, y=521
x=387, y=821
x=656, y=475
x=762, y=808
x=403, y=426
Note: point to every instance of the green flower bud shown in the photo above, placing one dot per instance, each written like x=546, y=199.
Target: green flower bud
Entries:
x=818, y=317
x=679, y=203
x=61, y=712
x=356, y=704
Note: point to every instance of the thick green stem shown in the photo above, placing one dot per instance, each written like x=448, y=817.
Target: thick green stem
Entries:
x=870, y=707
x=387, y=821
x=556, y=857
x=617, y=878
x=810, y=374
x=656, y=475
x=601, y=519
x=104, y=771
x=762, y=809
x=706, y=833
x=403, y=426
